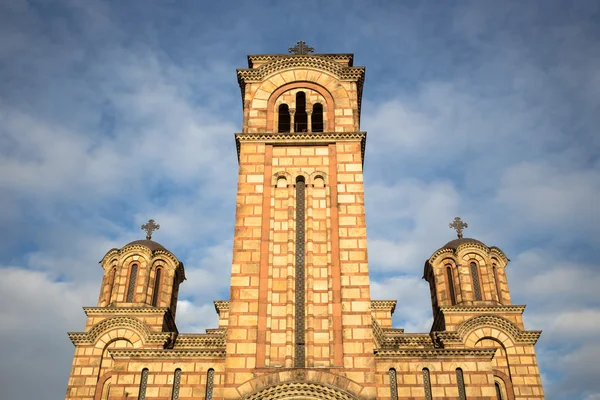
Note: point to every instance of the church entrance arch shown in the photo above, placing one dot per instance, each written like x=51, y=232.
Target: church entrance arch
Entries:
x=300, y=391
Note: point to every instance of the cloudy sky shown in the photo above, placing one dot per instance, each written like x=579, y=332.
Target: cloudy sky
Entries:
x=114, y=112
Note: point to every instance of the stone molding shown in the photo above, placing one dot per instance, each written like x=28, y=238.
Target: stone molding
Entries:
x=302, y=138
x=341, y=58
x=489, y=251
x=221, y=305
x=125, y=310
x=311, y=383
x=511, y=309
x=193, y=341
x=435, y=353
x=167, y=353
x=154, y=254
x=384, y=305
x=481, y=321
x=120, y=322
x=277, y=64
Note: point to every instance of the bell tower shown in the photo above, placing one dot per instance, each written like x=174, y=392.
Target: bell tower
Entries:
x=300, y=282
x=299, y=322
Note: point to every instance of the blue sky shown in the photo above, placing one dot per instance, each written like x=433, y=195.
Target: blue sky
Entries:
x=114, y=112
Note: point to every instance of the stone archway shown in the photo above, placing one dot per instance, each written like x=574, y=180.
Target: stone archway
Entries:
x=299, y=391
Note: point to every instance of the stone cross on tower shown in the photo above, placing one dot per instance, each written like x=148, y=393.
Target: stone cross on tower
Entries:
x=150, y=227
x=458, y=225
x=301, y=48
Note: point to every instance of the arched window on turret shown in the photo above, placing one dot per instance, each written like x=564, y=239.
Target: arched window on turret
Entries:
x=300, y=117
x=131, y=286
x=475, y=278
x=450, y=285
x=497, y=281
x=111, y=284
x=156, y=291
x=317, y=118
x=284, y=118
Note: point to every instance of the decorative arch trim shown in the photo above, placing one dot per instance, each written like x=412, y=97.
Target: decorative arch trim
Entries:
x=100, y=385
x=513, y=332
x=510, y=393
x=293, y=390
x=279, y=175
x=292, y=383
x=134, y=325
x=329, y=102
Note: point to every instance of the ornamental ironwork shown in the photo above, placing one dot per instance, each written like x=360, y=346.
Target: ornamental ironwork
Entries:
x=475, y=277
x=300, y=351
x=460, y=381
x=458, y=225
x=393, y=384
x=150, y=227
x=131, y=286
x=176, y=384
x=210, y=383
x=427, y=384
x=301, y=48
x=143, y=384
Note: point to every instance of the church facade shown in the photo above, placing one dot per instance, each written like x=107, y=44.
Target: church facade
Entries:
x=300, y=322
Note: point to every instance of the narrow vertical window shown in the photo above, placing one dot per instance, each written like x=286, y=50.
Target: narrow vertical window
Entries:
x=301, y=117
x=498, y=391
x=427, y=384
x=300, y=311
x=450, y=285
x=497, y=280
x=131, y=286
x=284, y=118
x=176, y=384
x=111, y=284
x=317, y=118
x=210, y=383
x=475, y=278
x=460, y=381
x=393, y=384
x=156, y=291
x=143, y=384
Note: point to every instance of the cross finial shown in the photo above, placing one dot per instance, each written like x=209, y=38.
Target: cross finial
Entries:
x=458, y=225
x=150, y=227
x=301, y=48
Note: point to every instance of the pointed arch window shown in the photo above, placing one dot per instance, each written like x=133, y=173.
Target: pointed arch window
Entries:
x=156, y=291
x=450, y=285
x=300, y=117
x=317, y=118
x=393, y=384
x=176, y=384
x=427, y=384
x=210, y=383
x=143, y=384
x=460, y=381
x=284, y=118
x=131, y=286
x=475, y=278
